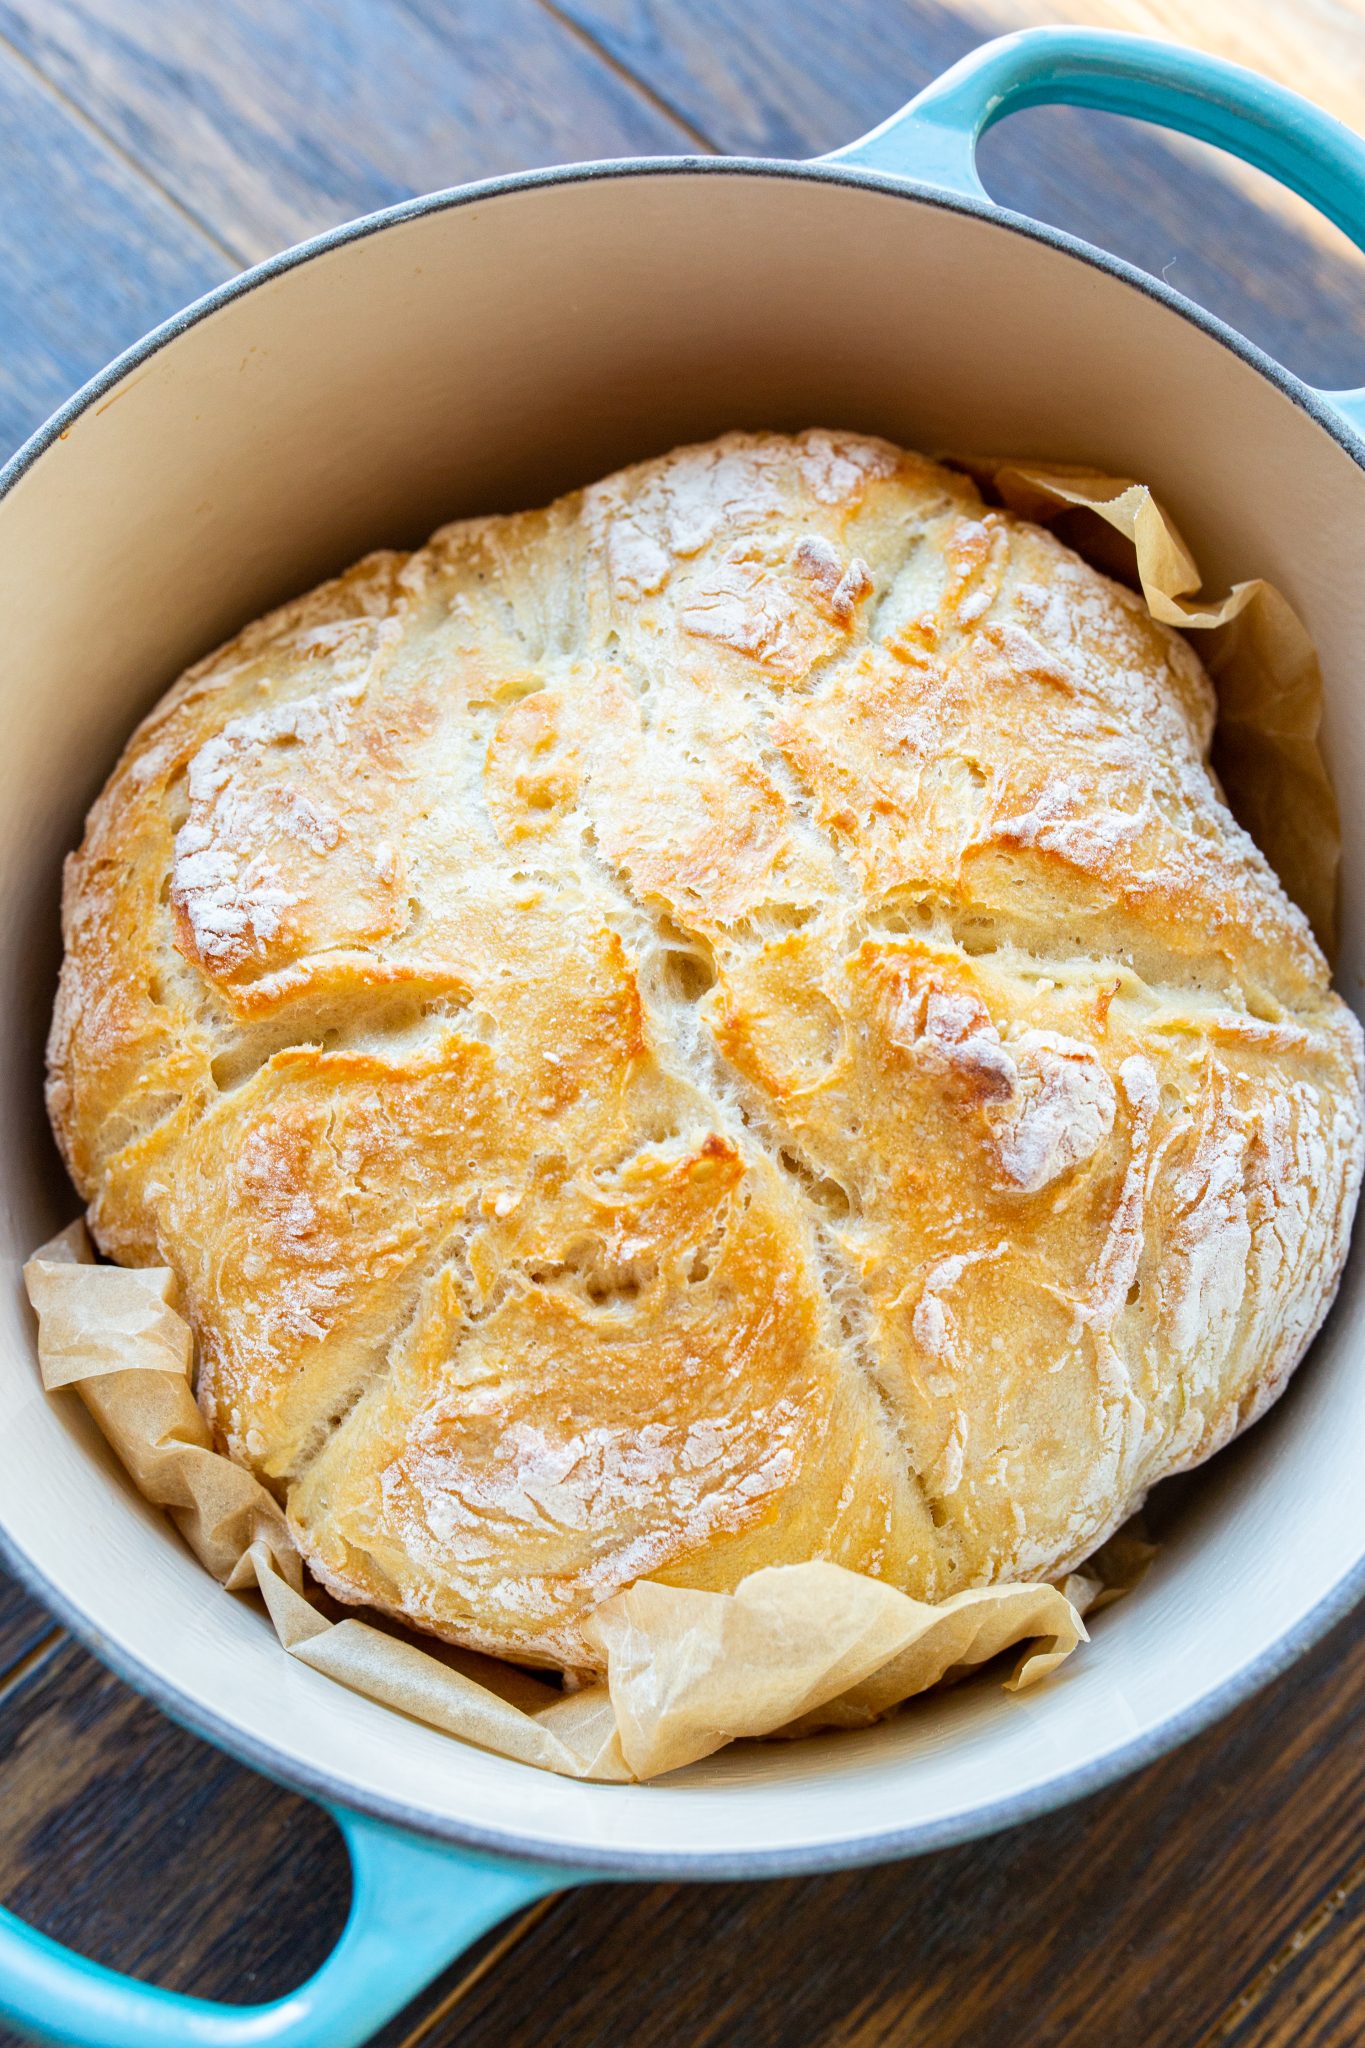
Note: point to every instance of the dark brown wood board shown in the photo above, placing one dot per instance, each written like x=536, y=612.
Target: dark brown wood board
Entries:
x=23, y=1627
x=147, y=147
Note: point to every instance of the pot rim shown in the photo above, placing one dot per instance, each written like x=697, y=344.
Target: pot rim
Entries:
x=1063, y=1786
x=850, y=1852
x=1307, y=397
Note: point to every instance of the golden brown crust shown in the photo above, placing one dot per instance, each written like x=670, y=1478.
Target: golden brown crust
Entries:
x=718, y=1023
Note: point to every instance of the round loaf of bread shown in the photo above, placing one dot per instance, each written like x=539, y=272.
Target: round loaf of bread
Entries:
x=719, y=1023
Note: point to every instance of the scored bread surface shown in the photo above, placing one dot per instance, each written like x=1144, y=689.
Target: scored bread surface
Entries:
x=722, y=1022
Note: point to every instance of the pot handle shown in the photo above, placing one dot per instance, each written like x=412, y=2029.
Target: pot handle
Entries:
x=933, y=140
x=415, y=1904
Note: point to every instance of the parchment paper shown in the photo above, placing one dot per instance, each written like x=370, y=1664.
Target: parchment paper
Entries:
x=1263, y=665
x=794, y=1648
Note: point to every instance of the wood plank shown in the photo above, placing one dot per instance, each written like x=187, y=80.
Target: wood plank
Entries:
x=271, y=122
x=783, y=54
x=793, y=81
x=23, y=1623
x=90, y=255
x=150, y=1850
x=1134, y=1918
x=1309, y=1995
x=210, y=105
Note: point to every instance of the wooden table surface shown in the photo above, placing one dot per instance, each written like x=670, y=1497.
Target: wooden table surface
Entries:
x=147, y=149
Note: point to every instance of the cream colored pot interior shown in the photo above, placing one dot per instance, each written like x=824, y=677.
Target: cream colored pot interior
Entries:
x=485, y=356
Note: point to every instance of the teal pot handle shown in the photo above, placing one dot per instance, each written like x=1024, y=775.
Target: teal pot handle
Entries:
x=415, y=1905
x=934, y=139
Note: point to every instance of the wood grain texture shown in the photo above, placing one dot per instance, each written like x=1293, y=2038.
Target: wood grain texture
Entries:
x=1309, y=1995
x=1215, y=1901
x=269, y=122
x=91, y=255
x=23, y=1625
x=212, y=103
x=146, y=1848
x=1316, y=48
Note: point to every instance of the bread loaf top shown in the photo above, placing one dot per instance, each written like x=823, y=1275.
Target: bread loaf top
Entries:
x=721, y=1022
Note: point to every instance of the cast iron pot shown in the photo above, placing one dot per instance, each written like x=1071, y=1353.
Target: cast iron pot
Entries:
x=482, y=349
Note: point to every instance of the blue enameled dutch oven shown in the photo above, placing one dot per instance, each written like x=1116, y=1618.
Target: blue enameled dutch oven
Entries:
x=480, y=349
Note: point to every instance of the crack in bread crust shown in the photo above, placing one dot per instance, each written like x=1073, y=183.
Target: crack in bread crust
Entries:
x=753, y=1120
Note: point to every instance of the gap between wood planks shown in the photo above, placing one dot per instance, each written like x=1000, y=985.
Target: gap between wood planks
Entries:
x=116, y=149
x=641, y=86
x=238, y=258
x=33, y=1658
x=443, y=2008
x=1305, y=1936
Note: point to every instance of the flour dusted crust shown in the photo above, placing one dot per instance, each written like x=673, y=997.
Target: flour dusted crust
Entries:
x=719, y=1023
